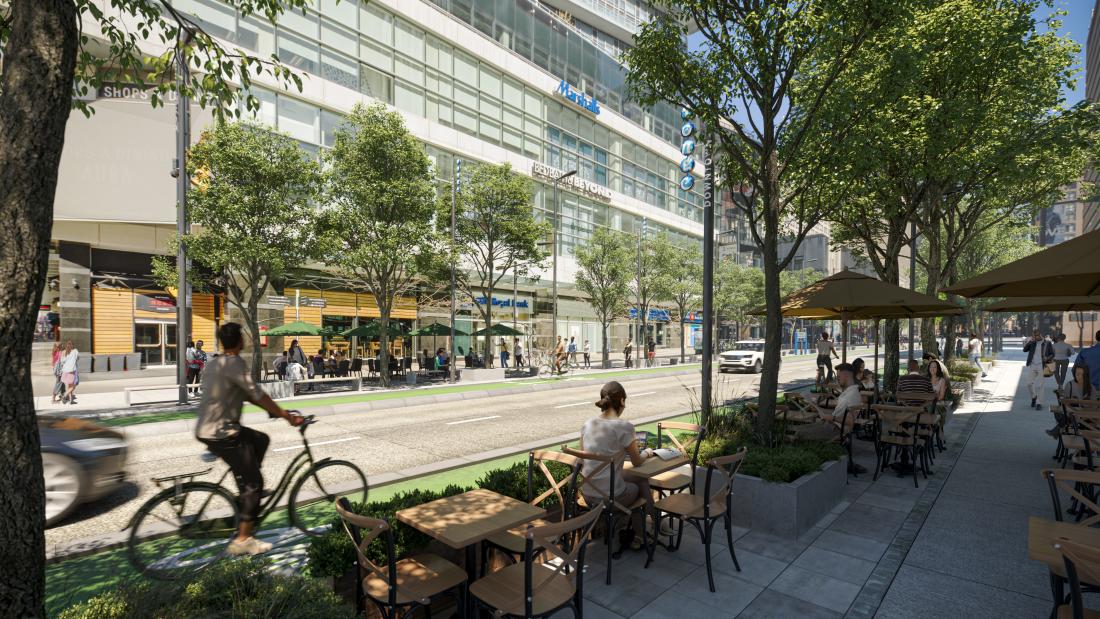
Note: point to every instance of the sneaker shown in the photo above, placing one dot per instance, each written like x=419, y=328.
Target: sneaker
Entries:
x=1033, y=402
x=249, y=546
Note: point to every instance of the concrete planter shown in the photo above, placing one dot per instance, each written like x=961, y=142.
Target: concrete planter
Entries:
x=788, y=509
x=117, y=362
x=99, y=363
x=133, y=361
x=84, y=363
x=964, y=387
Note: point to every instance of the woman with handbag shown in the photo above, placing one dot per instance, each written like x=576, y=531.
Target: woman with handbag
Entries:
x=58, y=386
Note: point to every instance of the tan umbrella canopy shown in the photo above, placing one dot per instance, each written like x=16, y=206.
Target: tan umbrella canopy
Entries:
x=1070, y=268
x=1045, y=304
x=849, y=295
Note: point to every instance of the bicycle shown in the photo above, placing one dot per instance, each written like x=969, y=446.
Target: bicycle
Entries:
x=188, y=525
x=547, y=367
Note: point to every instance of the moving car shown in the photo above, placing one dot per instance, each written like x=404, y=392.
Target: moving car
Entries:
x=745, y=355
x=81, y=462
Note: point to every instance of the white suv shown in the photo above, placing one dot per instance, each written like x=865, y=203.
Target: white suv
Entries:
x=746, y=355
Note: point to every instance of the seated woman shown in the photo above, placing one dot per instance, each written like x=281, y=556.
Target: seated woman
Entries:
x=608, y=434
x=441, y=359
x=939, y=380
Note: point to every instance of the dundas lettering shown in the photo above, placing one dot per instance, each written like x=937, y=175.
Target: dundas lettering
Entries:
x=582, y=100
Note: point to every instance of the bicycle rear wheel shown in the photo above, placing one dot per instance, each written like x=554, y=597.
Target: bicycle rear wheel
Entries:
x=178, y=532
x=310, y=500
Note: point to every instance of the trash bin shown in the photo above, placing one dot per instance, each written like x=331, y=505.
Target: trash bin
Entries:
x=133, y=361
x=99, y=363
x=673, y=361
x=410, y=378
x=117, y=362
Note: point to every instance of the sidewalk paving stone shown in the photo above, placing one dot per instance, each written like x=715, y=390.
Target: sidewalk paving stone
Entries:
x=835, y=564
x=832, y=593
x=920, y=593
x=852, y=545
x=772, y=604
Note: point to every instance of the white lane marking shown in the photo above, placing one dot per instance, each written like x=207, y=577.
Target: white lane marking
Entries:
x=338, y=440
x=583, y=403
x=455, y=423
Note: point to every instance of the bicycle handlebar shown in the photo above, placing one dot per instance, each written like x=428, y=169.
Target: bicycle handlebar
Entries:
x=307, y=420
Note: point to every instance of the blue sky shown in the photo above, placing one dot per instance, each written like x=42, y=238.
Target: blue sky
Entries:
x=1076, y=25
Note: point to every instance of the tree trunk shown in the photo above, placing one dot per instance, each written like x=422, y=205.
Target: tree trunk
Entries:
x=773, y=321
x=681, y=337
x=488, y=315
x=384, y=309
x=253, y=324
x=35, y=100
x=606, y=344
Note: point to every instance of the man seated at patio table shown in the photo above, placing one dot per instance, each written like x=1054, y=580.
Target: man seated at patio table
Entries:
x=915, y=380
x=828, y=426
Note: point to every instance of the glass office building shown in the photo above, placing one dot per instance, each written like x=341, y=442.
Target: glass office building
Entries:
x=484, y=81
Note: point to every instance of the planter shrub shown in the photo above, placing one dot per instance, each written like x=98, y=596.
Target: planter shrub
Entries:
x=231, y=588
x=512, y=481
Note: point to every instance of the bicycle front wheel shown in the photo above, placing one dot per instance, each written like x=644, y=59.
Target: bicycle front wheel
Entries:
x=310, y=501
x=181, y=531
x=545, y=370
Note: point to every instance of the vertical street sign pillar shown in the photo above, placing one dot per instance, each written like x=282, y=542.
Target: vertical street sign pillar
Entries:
x=183, y=139
x=708, y=284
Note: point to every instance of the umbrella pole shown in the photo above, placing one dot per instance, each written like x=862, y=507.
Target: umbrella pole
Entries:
x=844, y=344
x=876, y=353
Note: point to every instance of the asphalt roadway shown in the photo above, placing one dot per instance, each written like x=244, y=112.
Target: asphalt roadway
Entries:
x=382, y=441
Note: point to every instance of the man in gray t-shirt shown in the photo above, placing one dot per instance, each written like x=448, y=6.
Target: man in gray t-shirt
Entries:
x=1062, y=352
x=226, y=385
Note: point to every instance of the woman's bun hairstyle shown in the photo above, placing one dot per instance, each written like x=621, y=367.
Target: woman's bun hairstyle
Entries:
x=612, y=397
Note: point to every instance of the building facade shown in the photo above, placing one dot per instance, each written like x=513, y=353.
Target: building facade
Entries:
x=1091, y=214
x=534, y=84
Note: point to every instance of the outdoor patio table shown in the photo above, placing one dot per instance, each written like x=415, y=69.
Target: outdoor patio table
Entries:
x=462, y=521
x=1041, y=536
x=654, y=466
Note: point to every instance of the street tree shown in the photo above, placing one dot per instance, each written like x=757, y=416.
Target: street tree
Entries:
x=686, y=289
x=605, y=266
x=738, y=290
x=45, y=50
x=653, y=278
x=253, y=206
x=380, y=226
x=759, y=78
x=496, y=235
x=967, y=119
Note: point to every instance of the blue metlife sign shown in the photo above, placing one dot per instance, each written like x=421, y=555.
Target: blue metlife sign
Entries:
x=582, y=100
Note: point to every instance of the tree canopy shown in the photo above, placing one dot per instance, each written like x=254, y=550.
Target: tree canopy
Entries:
x=604, y=270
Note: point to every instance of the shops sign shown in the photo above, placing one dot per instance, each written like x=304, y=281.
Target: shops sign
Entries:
x=162, y=303
x=278, y=300
x=586, y=187
x=312, y=302
x=579, y=99
x=655, y=314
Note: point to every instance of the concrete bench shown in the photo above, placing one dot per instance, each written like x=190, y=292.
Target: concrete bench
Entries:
x=355, y=383
x=127, y=391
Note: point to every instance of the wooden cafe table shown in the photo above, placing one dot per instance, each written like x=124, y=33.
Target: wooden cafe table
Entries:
x=654, y=466
x=464, y=520
x=1042, y=534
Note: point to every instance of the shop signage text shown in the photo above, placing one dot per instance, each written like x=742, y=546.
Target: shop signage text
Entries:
x=580, y=99
x=155, y=302
x=278, y=300
x=503, y=302
x=132, y=92
x=655, y=313
x=312, y=302
x=588, y=188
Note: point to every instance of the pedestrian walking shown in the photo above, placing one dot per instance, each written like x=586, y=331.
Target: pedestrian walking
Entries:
x=651, y=353
x=1039, y=352
x=55, y=361
x=572, y=350
x=1062, y=352
x=974, y=351
x=587, y=355
x=519, y=352
x=628, y=350
x=503, y=353
x=70, y=375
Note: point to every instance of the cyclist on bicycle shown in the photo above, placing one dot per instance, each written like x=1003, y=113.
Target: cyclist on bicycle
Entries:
x=226, y=385
x=559, y=355
x=824, y=361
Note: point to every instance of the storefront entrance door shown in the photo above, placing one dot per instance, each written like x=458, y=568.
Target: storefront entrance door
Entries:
x=156, y=341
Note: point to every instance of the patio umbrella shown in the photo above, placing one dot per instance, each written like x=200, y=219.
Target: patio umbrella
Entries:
x=1070, y=268
x=848, y=295
x=1045, y=304
x=436, y=330
x=298, y=328
x=373, y=329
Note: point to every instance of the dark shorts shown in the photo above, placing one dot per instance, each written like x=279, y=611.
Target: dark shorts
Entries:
x=824, y=361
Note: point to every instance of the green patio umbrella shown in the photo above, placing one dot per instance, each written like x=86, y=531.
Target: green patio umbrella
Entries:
x=298, y=328
x=498, y=329
x=373, y=329
x=436, y=330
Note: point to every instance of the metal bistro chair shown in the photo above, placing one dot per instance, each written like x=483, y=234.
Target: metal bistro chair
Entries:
x=611, y=510
x=512, y=542
x=409, y=583
x=929, y=430
x=897, y=431
x=372, y=368
x=1083, y=573
x=318, y=367
x=703, y=509
x=530, y=589
x=1081, y=486
x=356, y=368
x=268, y=372
x=344, y=368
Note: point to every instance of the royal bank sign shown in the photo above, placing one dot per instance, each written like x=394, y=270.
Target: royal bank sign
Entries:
x=586, y=187
x=579, y=99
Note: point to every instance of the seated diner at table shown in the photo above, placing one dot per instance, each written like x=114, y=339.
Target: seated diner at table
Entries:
x=440, y=359
x=608, y=434
x=938, y=379
x=828, y=426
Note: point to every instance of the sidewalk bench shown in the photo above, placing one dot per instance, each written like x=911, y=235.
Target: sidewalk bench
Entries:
x=126, y=391
x=355, y=383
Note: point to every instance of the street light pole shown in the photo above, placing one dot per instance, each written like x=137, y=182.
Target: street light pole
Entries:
x=912, y=275
x=557, y=226
x=183, y=140
x=456, y=186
